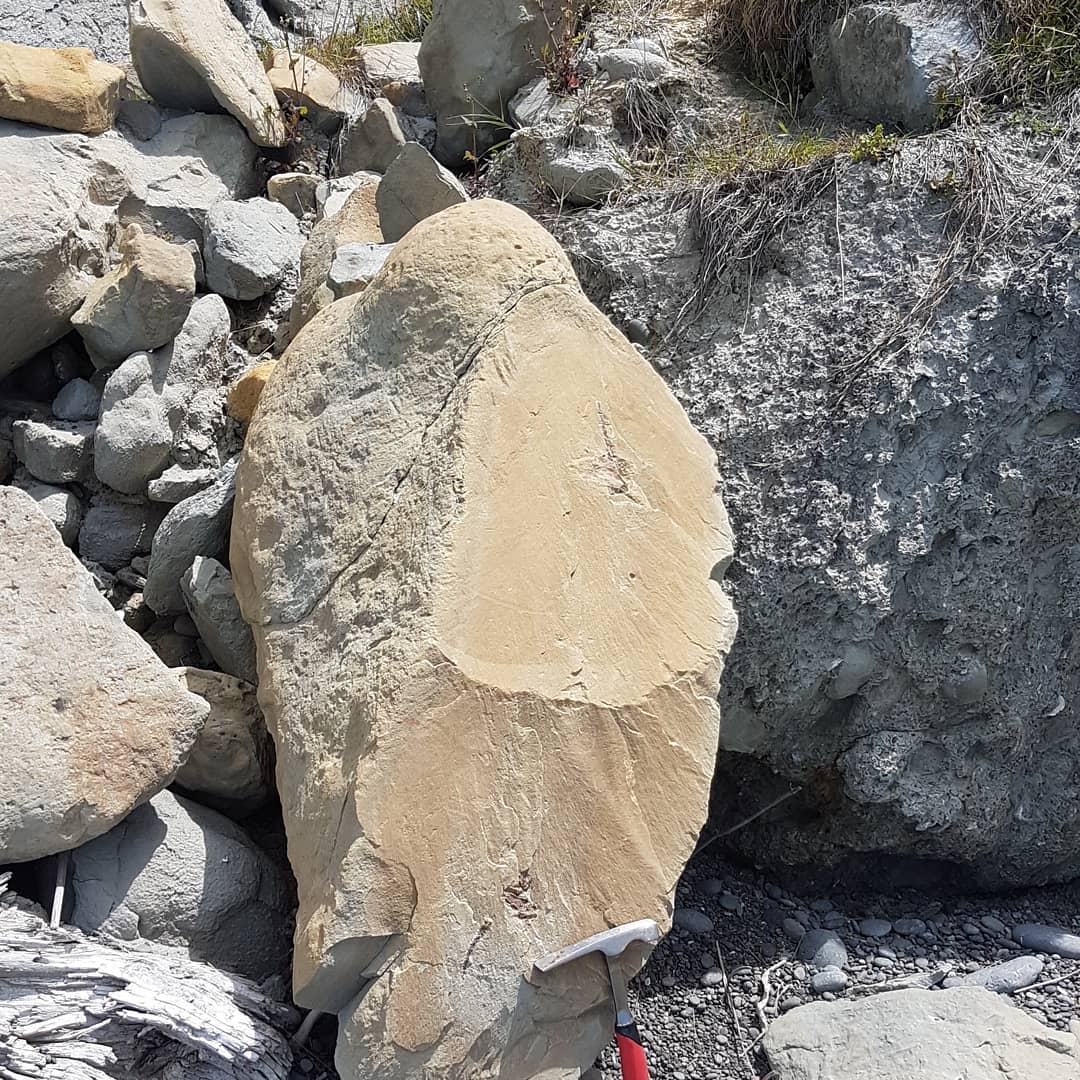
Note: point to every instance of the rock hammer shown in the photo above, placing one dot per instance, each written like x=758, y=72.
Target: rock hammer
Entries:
x=612, y=944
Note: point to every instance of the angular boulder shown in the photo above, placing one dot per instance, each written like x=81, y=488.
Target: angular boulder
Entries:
x=58, y=88
x=374, y=139
x=194, y=55
x=929, y=1034
x=142, y=303
x=415, y=187
x=55, y=453
x=181, y=874
x=230, y=765
x=115, y=530
x=357, y=222
x=91, y=722
x=250, y=246
x=480, y=547
x=475, y=56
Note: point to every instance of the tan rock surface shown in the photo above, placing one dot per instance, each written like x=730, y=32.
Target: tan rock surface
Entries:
x=230, y=765
x=195, y=55
x=308, y=85
x=142, y=303
x=357, y=222
x=59, y=88
x=245, y=392
x=91, y=722
x=480, y=545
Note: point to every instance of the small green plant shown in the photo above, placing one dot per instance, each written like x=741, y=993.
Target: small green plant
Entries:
x=874, y=145
x=560, y=57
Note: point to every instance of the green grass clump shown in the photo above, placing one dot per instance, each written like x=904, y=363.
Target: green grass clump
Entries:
x=1037, y=51
x=339, y=49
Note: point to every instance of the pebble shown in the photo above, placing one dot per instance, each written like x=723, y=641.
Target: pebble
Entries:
x=882, y=962
x=711, y=886
x=822, y=907
x=794, y=929
x=875, y=928
x=909, y=927
x=833, y=921
x=829, y=981
x=790, y=1003
x=773, y=892
x=1048, y=939
x=692, y=921
x=822, y=949
x=993, y=924
x=715, y=977
x=884, y=950
x=1004, y=978
x=730, y=902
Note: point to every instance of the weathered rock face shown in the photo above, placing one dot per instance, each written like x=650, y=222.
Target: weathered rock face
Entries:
x=91, y=722
x=934, y=1035
x=208, y=593
x=906, y=578
x=195, y=55
x=101, y=26
x=475, y=56
x=493, y=654
x=59, y=88
x=230, y=765
x=886, y=62
x=142, y=303
x=179, y=874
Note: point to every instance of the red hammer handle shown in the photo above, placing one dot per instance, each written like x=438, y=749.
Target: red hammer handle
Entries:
x=631, y=1052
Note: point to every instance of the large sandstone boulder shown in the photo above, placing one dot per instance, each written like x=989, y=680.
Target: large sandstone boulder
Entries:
x=59, y=88
x=480, y=548
x=475, y=56
x=91, y=722
x=932, y=1035
x=180, y=874
x=195, y=55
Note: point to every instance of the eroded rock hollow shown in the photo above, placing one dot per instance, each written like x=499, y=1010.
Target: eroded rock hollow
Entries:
x=481, y=549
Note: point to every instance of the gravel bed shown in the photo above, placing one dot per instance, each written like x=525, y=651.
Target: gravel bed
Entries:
x=699, y=1025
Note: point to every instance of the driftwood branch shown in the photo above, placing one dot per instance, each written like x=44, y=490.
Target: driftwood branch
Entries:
x=72, y=1008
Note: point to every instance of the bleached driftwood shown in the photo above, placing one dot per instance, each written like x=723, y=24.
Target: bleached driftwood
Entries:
x=72, y=1008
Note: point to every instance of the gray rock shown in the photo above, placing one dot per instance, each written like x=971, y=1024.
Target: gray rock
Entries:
x=694, y=922
x=534, y=105
x=730, y=902
x=581, y=176
x=113, y=531
x=1006, y=977
x=354, y=266
x=197, y=526
x=372, y=141
x=330, y=195
x=101, y=25
x=793, y=929
x=58, y=504
x=875, y=928
x=230, y=765
x=711, y=887
x=885, y=62
x=181, y=874
x=56, y=453
x=142, y=119
x=822, y=949
x=909, y=927
x=149, y=399
x=140, y=413
x=475, y=56
x=90, y=721
x=830, y=980
x=396, y=62
x=177, y=483
x=945, y=1034
x=77, y=400
x=208, y=593
x=1048, y=939
x=993, y=924
x=415, y=187
x=629, y=62
x=249, y=248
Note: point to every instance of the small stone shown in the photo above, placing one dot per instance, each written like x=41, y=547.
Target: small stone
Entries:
x=354, y=266
x=295, y=191
x=793, y=929
x=774, y=892
x=909, y=927
x=711, y=887
x=875, y=928
x=822, y=949
x=768, y=950
x=177, y=483
x=58, y=453
x=993, y=924
x=882, y=962
x=1007, y=977
x=831, y=980
x=1048, y=939
x=139, y=118
x=415, y=187
x=712, y=977
x=77, y=400
x=58, y=504
x=113, y=531
x=822, y=907
x=884, y=950
x=374, y=140
x=694, y=922
x=730, y=902
x=637, y=331
x=250, y=246
x=790, y=1003
x=833, y=921
x=668, y=981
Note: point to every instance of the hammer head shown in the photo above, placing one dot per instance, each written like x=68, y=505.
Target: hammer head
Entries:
x=611, y=943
